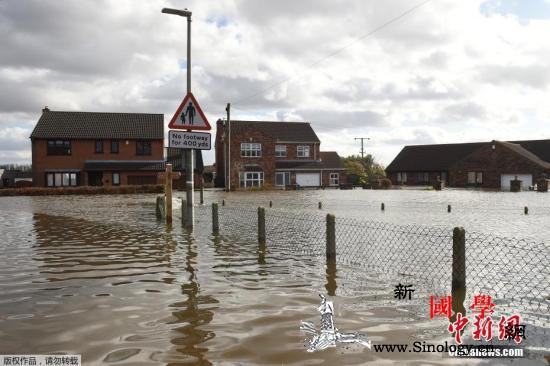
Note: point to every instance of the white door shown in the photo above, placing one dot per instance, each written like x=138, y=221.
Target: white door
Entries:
x=308, y=179
x=526, y=181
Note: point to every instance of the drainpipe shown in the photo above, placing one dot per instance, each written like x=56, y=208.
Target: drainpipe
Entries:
x=228, y=110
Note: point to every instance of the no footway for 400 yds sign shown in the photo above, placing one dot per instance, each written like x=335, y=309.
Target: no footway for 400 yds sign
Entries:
x=189, y=140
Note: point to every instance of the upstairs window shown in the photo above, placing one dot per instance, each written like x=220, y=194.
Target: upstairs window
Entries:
x=280, y=151
x=252, y=149
x=59, y=147
x=303, y=151
x=143, y=147
x=99, y=146
x=114, y=146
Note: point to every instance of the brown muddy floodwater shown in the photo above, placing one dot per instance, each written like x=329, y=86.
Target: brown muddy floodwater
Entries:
x=101, y=277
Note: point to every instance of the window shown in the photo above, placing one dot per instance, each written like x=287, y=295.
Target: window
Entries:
x=423, y=177
x=334, y=179
x=251, y=179
x=61, y=179
x=282, y=179
x=99, y=146
x=59, y=147
x=401, y=177
x=114, y=146
x=475, y=177
x=444, y=176
x=143, y=147
x=116, y=178
x=280, y=151
x=252, y=149
x=303, y=151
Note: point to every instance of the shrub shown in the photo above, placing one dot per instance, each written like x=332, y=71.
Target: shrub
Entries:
x=385, y=183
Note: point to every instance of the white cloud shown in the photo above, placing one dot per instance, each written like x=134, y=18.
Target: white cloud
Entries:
x=445, y=73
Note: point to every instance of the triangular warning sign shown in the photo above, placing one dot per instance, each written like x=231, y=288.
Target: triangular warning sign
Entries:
x=189, y=116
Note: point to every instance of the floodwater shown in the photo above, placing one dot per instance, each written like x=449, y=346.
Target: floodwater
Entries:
x=101, y=277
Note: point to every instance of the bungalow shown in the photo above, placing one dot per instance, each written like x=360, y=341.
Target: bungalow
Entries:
x=481, y=164
x=256, y=153
x=10, y=178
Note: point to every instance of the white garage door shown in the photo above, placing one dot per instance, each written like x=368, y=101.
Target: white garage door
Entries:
x=308, y=180
x=526, y=181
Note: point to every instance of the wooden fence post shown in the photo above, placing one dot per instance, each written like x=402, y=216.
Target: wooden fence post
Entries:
x=261, y=225
x=331, y=238
x=458, y=286
x=168, y=193
x=215, y=221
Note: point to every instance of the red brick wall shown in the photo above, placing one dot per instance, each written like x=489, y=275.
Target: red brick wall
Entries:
x=82, y=150
x=493, y=163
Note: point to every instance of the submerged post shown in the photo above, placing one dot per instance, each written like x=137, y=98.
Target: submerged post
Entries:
x=160, y=207
x=183, y=211
x=223, y=202
x=458, y=286
x=320, y=205
x=261, y=225
x=168, y=192
x=448, y=208
x=331, y=238
x=526, y=210
x=202, y=191
x=270, y=203
x=382, y=206
x=215, y=220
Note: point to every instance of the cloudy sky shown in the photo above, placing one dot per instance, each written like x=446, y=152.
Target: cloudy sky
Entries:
x=449, y=71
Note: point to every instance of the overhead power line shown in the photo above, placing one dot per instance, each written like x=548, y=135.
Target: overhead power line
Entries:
x=339, y=50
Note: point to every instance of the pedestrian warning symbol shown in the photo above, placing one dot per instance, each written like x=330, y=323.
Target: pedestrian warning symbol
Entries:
x=189, y=116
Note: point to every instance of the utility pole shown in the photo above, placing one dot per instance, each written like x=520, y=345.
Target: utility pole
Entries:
x=188, y=157
x=362, y=145
x=228, y=178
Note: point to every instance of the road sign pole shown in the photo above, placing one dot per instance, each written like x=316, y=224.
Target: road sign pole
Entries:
x=189, y=171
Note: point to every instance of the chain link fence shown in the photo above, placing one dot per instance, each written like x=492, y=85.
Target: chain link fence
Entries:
x=380, y=255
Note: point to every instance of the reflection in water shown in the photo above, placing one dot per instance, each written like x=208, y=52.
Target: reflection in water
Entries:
x=331, y=278
x=192, y=314
x=76, y=249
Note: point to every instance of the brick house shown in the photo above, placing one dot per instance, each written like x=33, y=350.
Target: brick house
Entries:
x=274, y=154
x=482, y=164
x=90, y=148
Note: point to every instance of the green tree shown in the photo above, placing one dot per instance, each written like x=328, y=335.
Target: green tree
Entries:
x=363, y=167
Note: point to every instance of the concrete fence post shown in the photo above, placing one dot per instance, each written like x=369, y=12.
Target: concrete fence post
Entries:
x=215, y=219
x=261, y=225
x=448, y=208
x=526, y=210
x=160, y=210
x=382, y=206
x=331, y=238
x=168, y=193
x=183, y=210
x=458, y=286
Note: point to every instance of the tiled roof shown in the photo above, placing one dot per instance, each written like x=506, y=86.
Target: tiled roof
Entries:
x=99, y=125
x=124, y=165
x=282, y=131
x=440, y=157
x=329, y=161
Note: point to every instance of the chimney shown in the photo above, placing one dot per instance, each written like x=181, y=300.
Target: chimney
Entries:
x=46, y=109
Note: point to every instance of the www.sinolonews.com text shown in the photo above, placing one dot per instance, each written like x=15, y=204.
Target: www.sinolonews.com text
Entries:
x=462, y=350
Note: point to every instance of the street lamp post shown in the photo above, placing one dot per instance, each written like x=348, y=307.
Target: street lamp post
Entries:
x=187, y=158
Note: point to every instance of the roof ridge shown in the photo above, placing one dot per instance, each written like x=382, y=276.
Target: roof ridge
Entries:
x=52, y=111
